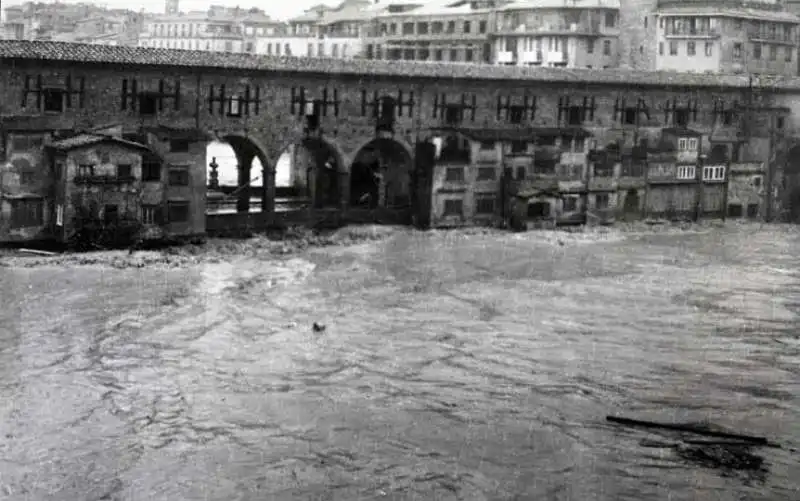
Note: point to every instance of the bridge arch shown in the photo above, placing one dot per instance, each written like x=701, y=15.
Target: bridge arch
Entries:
x=232, y=179
x=381, y=174
x=310, y=172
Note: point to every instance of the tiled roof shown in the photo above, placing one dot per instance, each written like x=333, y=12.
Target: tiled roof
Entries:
x=722, y=11
x=560, y=4
x=83, y=140
x=85, y=53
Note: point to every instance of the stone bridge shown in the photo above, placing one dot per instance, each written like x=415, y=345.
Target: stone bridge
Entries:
x=263, y=105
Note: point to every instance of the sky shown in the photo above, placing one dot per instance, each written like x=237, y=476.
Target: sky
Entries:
x=276, y=8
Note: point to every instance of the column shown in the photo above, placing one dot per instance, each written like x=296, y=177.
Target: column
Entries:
x=244, y=165
x=268, y=188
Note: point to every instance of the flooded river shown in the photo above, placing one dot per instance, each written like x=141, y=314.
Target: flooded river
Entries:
x=452, y=367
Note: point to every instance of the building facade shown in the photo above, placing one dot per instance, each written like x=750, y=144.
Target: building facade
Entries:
x=577, y=34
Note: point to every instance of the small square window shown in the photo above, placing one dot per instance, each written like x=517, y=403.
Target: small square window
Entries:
x=486, y=174
x=521, y=173
x=151, y=170
x=454, y=174
x=484, y=205
x=150, y=214
x=179, y=146
x=53, y=100
x=179, y=176
x=453, y=207
x=178, y=211
x=602, y=200
x=148, y=103
x=124, y=171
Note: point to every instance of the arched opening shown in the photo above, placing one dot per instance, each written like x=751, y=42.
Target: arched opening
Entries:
x=235, y=176
x=632, y=203
x=307, y=174
x=718, y=155
x=381, y=176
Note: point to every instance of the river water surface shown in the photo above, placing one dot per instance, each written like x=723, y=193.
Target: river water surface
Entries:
x=452, y=367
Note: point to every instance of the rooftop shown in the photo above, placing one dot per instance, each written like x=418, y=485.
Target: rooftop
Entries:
x=560, y=4
x=84, y=140
x=92, y=54
x=723, y=11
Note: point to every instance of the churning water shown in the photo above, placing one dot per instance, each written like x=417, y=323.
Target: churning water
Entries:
x=452, y=367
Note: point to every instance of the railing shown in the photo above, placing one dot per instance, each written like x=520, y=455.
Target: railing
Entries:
x=103, y=179
x=687, y=31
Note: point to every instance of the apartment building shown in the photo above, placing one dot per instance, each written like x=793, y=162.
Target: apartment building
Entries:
x=454, y=31
x=726, y=39
x=557, y=33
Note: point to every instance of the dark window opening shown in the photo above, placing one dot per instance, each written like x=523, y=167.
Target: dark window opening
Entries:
x=124, y=171
x=544, y=167
x=453, y=207
x=150, y=214
x=752, y=210
x=519, y=146
x=735, y=210
x=486, y=174
x=27, y=177
x=538, y=210
x=575, y=115
x=53, y=100
x=151, y=170
x=681, y=118
x=454, y=174
x=516, y=114
x=603, y=169
x=484, y=205
x=570, y=204
x=148, y=103
x=487, y=145
x=179, y=146
x=178, y=212
x=779, y=123
x=521, y=173
x=27, y=213
x=602, y=200
x=179, y=176
x=110, y=214
x=631, y=116
x=728, y=117
x=453, y=114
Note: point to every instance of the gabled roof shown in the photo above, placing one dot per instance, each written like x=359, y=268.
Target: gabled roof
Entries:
x=85, y=140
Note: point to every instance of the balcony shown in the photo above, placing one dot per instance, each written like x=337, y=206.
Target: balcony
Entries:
x=590, y=28
x=103, y=179
x=690, y=32
x=776, y=37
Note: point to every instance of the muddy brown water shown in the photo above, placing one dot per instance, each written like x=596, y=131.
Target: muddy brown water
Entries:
x=452, y=367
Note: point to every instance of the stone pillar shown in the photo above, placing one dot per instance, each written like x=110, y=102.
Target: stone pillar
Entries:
x=245, y=163
x=268, y=190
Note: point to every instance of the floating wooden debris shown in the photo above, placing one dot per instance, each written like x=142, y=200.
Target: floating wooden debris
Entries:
x=691, y=428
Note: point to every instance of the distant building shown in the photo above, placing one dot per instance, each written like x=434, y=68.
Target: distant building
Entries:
x=574, y=34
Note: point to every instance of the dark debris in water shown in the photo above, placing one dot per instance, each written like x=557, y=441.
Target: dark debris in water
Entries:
x=728, y=458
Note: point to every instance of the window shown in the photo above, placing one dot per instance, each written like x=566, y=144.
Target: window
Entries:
x=788, y=56
x=468, y=55
x=752, y=210
x=487, y=145
x=538, y=210
x=149, y=214
x=110, y=214
x=453, y=207
x=521, y=173
x=124, y=171
x=673, y=48
x=686, y=172
x=690, y=49
x=484, y=205
x=451, y=26
x=709, y=48
x=151, y=170
x=454, y=174
x=320, y=50
x=482, y=27
x=756, y=51
x=467, y=26
x=515, y=114
x=779, y=122
x=486, y=174
x=590, y=46
x=438, y=55
x=519, y=146
x=179, y=146
x=602, y=200
x=228, y=46
x=773, y=52
x=408, y=28
x=660, y=48
x=26, y=213
x=310, y=50
x=437, y=27
x=737, y=50
x=422, y=28
x=335, y=50
x=570, y=204
x=606, y=47
x=85, y=170
x=714, y=173
x=53, y=100
x=178, y=176
x=734, y=210
x=234, y=107
x=27, y=177
x=611, y=19
x=757, y=182
x=178, y=211
x=148, y=103
x=692, y=144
